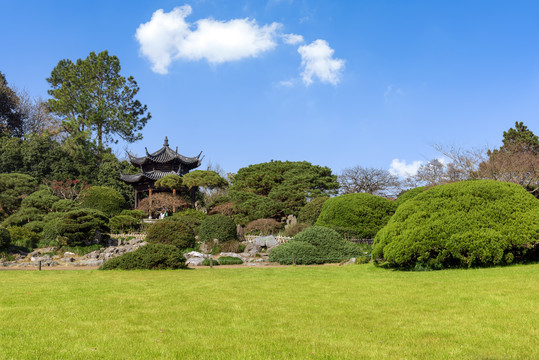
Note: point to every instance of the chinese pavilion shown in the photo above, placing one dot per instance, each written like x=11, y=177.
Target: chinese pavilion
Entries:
x=154, y=166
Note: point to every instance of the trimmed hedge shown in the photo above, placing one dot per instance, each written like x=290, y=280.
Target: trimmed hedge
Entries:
x=219, y=227
x=410, y=194
x=123, y=223
x=177, y=233
x=464, y=224
x=230, y=260
x=310, y=212
x=356, y=215
x=104, y=199
x=148, y=257
x=315, y=245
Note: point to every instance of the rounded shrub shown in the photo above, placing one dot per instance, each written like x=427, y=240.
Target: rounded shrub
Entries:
x=175, y=233
x=192, y=217
x=81, y=227
x=21, y=236
x=148, y=257
x=5, y=238
x=137, y=214
x=105, y=199
x=356, y=215
x=64, y=205
x=410, y=194
x=219, y=227
x=24, y=216
x=41, y=199
x=325, y=246
x=263, y=227
x=463, y=224
x=122, y=223
x=310, y=212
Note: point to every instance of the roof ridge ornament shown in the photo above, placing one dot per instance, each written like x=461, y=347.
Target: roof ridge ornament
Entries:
x=166, y=141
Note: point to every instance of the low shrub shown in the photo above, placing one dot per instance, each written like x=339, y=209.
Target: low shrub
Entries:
x=148, y=257
x=310, y=212
x=105, y=199
x=49, y=235
x=263, y=227
x=324, y=246
x=356, y=215
x=219, y=227
x=176, y=233
x=122, y=223
x=214, y=262
x=230, y=246
x=463, y=224
x=5, y=238
x=230, y=260
x=81, y=227
x=23, y=237
x=137, y=214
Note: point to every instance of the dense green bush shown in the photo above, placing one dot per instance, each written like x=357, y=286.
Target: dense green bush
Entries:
x=21, y=236
x=35, y=226
x=122, y=223
x=310, y=212
x=81, y=227
x=324, y=246
x=13, y=188
x=230, y=246
x=24, y=216
x=104, y=199
x=192, y=217
x=137, y=214
x=410, y=194
x=263, y=227
x=219, y=227
x=64, y=205
x=49, y=236
x=230, y=260
x=42, y=200
x=5, y=238
x=464, y=224
x=177, y=233
x=148, y=257
x=214, y=262
x=356, y=215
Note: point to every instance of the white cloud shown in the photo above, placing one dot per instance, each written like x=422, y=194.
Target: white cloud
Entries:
x=317, y=61
x=286, y=83
x=167, y=36
x=402, y=169
x=292, y=39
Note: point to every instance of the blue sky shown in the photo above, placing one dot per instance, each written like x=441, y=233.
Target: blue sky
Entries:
x=369, y=82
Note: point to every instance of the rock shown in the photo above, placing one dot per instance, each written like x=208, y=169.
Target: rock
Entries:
x=90, y=263
x=42, y=258
x=194, y=261
x=260, y=241
x=68, y=254
x=348, y=262
x=194, y=254
x=93, y=255
x=34, y=253
x=230, y=254
x=271, y=242
x=252, y=248
x=206, y=248
x=135, y=241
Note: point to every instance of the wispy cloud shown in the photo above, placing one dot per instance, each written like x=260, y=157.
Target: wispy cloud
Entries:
x=317, y=61
x=392, y=90
x=292, y=39
x=402, y=169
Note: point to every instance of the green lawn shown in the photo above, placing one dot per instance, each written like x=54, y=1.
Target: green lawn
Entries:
x=324, y=312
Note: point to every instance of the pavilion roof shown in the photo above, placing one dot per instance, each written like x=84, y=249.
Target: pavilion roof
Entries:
x=165, y=155
x=152, y=175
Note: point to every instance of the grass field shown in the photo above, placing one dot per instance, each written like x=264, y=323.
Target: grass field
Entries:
x=323, y=312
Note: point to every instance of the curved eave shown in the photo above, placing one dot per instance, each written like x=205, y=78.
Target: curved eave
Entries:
x=150, y=175
x=163, y=156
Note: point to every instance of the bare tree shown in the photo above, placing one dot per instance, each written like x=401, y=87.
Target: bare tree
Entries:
x=369, y=180
x=36, y=114
x=464, y=162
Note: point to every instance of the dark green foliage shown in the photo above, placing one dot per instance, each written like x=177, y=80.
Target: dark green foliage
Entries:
x=219, y=227
x=35, y=226
x=464, y=224
x=214, y=262
x=192, y=217
x=137, y=214
x=42, y=200
x=11, y=117
x=24, y=216
x=21, y=236
x=81, y=227
x=14, y=188
x=148, y=257
x=230, y=246
x=230, y=260
x=122, y=223
x=278, y=188
x=357, y=215
x=49, y=236
x=64, y=205
x=410, y=194
x=108, y=175
x=5, y=238
x=263, y=227
x=177, y=233
x=310, y=212
x=315, y=245
x=104, y=199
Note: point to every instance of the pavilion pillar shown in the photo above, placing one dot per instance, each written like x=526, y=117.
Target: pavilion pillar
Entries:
x=173, y=203
x=150, y=191
x=136, y=199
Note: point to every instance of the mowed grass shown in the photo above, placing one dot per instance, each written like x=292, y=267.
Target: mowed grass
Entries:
x=323, y=312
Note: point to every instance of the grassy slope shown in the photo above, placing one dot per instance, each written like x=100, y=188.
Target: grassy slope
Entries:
x=275, y=313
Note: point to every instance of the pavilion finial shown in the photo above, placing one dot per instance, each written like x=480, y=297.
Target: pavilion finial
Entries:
x=166, y=141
